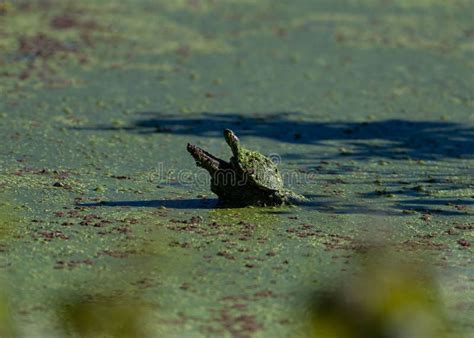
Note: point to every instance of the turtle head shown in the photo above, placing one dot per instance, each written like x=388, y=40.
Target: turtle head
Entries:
x=233, y=141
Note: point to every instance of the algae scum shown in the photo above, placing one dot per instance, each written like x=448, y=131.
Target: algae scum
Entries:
x=367, y=104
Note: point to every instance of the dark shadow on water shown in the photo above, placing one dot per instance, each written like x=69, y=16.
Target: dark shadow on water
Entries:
x=319, y=205
x=440, y=201
x=457, y=207
x=396, y=138
x=338, y=208
x=331, y=207
x=171, y=204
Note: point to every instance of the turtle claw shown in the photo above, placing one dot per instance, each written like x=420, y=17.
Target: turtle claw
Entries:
x=205, y=160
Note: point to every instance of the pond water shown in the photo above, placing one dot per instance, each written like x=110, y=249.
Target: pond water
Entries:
x=367, y=105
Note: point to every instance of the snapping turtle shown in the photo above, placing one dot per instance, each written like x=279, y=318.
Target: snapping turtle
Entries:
x=249, y=178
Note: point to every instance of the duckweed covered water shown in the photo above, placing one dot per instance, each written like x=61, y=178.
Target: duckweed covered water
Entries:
x=368, y=105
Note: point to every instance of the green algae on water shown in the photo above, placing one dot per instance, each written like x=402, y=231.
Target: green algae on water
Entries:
x=8, y=220
x=6, y=323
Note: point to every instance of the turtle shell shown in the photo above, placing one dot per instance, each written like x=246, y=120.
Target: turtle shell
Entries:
x=258, y=169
